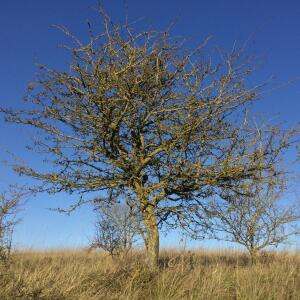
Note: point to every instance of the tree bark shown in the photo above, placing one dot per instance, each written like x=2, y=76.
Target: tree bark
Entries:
x=152, y=237
x=253, y=255
x=151, y=232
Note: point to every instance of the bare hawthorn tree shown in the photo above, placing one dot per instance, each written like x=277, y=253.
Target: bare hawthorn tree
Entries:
x=115, y=229
x=136, y=113
x=259, y=214
x=9, y=204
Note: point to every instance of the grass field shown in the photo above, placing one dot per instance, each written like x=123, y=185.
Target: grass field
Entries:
x=182, y=275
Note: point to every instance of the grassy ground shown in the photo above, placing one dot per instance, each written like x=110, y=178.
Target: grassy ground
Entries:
x=200, y=275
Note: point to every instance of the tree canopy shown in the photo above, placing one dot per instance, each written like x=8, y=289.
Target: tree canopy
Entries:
x=138, y=114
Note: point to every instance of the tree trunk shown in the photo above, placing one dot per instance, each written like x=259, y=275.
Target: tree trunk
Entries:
x=253, y=255
x=152, y=237
x=151, y=233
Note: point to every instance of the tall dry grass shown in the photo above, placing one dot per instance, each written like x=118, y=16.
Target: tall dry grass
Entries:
x=199, y=275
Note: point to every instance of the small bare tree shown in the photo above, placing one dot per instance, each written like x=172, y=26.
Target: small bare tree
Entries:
x=9, y=204
x=115, y=229
x=256, y=216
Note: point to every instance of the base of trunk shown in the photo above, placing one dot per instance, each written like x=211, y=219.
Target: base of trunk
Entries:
x=152, y=239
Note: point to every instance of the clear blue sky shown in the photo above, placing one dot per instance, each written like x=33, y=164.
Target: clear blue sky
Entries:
x=27, y=38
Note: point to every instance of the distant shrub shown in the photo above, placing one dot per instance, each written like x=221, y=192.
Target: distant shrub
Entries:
x=9, y=203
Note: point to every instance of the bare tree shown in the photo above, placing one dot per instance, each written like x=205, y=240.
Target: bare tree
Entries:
x=115, y=229
x=137, y=113
x=9, y=204
x=260, y=213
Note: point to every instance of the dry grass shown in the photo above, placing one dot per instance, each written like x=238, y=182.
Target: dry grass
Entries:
x=199, y=275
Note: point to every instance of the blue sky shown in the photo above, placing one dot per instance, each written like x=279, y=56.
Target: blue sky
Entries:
x=26, y=38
